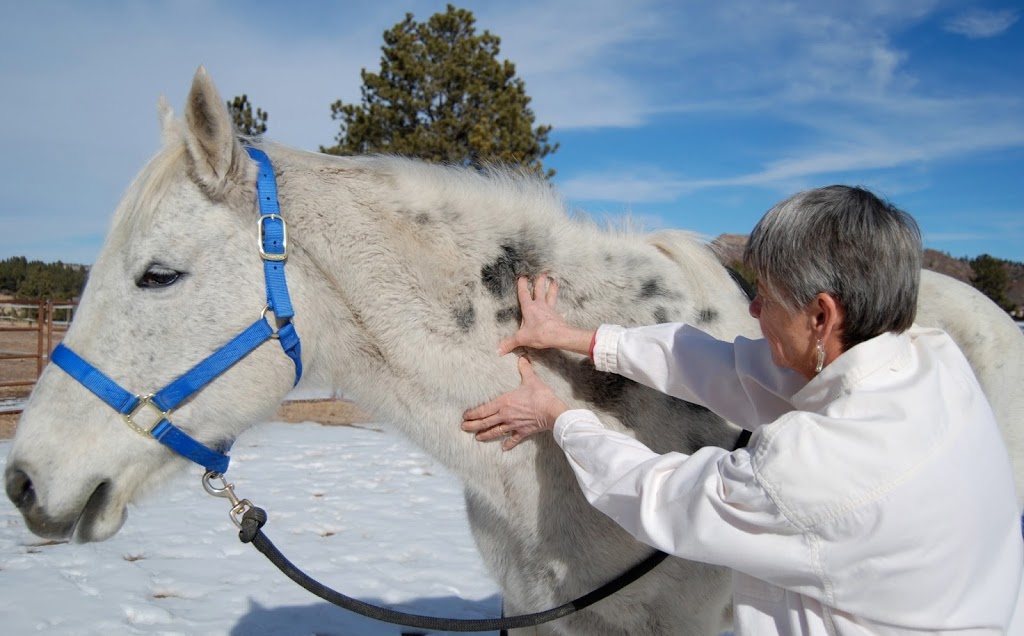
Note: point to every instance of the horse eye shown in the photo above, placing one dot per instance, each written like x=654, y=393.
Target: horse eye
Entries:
x=157, y=277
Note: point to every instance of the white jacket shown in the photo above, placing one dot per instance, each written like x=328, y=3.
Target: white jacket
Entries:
x=875, y=499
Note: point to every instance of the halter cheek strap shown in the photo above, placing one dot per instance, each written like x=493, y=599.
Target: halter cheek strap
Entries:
x=273, y=246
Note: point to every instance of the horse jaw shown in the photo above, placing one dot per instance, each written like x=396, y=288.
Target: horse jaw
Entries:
x=72, y=477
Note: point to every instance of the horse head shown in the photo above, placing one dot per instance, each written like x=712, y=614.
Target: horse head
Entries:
x=179, y=276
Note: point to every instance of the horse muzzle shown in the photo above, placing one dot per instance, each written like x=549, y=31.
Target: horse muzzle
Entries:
x=88, y=523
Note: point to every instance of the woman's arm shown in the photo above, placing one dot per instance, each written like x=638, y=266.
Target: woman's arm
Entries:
x=736, y=380
x=707, y=506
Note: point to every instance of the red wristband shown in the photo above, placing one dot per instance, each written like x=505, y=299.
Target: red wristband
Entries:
x=593, y=341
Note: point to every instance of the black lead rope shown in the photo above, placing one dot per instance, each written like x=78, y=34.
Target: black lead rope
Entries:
x=743, y=440
x=251, y=531
x=254, y=519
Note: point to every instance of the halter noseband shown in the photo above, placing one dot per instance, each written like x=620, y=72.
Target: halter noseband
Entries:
x=273, y=246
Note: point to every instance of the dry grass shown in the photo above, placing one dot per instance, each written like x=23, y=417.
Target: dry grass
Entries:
x=7, y=423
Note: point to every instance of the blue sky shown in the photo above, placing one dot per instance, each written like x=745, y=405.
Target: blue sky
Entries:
x=683, y=114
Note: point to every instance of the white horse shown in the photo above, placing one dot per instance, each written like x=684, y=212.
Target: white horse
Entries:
x=403, y=275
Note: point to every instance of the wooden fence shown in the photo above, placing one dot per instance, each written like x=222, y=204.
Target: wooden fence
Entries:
x=29, y=330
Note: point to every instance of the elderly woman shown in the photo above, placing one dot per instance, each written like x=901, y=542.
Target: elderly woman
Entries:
x=875, y=496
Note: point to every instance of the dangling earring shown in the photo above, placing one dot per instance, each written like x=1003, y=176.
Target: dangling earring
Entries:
x=820, y=357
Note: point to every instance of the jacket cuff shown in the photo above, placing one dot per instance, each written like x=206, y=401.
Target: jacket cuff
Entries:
x=573, y=417
x=606, y=348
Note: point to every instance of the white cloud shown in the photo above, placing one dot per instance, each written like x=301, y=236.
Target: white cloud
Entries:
x=635, y=185
x=572, y=57
x=844, y=148
x=982, y=23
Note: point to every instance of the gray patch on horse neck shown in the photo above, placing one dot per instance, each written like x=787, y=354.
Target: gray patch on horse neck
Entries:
x=465, y=316
x=423, y=218
x=603, y=390
x=518, y=257
x=651, y=288
x=579, y=302
x=509, y=314
x=661, y=316
x=707, y=315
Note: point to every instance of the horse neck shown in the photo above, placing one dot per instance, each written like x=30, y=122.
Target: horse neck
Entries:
x=390, y=291
x=409, y=281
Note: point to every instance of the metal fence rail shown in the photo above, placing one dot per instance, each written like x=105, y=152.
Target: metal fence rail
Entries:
x=48, y=320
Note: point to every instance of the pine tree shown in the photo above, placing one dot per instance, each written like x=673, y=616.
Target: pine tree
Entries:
x=990, y=279
x=443, y=95
x=245, y=122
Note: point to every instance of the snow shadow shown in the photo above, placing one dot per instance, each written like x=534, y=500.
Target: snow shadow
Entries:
x=324, y=619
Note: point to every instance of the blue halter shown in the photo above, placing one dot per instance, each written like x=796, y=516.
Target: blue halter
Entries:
x=273, y=244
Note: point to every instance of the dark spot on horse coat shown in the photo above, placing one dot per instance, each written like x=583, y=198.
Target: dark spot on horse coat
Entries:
x=651, y=288
x=509, y=314
x=518, y=258
x=423, y=218
x=707, y=315
x=661, y=315
x=604, y=390
x=579, y=302
x=662, y=422
x=465, y=316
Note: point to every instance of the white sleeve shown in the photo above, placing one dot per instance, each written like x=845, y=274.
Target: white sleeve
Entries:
x=737, y=380
x=707, y=506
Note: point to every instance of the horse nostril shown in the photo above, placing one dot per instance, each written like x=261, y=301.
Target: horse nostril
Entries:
x=20, y=490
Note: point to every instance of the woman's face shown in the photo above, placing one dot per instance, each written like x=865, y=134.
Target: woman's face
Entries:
x=790, y=336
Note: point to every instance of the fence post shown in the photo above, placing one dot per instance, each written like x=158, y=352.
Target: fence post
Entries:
x=41, y=322
x=49, y=329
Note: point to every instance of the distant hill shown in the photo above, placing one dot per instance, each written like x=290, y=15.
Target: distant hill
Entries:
x=729, y=248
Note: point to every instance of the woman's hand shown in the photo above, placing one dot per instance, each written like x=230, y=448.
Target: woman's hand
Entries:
x=516, y=415
x=543, y=327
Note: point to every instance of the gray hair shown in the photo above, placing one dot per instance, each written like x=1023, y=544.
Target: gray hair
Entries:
x=848, y=243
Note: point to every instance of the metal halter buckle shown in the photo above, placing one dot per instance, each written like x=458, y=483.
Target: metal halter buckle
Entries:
x=265, y=255
x=144, y=428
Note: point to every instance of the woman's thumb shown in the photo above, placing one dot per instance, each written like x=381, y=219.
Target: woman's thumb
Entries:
x=507, y=345
x=525, y=368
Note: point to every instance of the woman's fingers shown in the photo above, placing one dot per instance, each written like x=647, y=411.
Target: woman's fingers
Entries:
x=481, y=412
x=539, y=286
x=511, y=441
x=551, y=296
x=523, y=288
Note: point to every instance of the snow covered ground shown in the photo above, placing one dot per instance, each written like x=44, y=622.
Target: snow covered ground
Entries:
x=360, y=509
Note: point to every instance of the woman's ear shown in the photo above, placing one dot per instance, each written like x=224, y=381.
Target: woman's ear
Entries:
x=828, y=317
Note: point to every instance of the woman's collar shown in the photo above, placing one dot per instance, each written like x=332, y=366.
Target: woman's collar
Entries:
x=849, y=368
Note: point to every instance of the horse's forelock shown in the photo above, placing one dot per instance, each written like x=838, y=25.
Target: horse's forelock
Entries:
x=141, y=199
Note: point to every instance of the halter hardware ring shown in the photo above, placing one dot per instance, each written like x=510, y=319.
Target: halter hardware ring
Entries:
x=143, y=402
x=265, y=255
x=263, y=314
x=238, y=506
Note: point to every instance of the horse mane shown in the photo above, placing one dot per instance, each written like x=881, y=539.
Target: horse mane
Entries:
x=142, y=198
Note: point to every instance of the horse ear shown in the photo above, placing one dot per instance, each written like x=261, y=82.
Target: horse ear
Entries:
x=218, y=159
x=170, y=131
